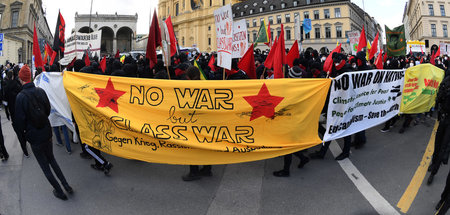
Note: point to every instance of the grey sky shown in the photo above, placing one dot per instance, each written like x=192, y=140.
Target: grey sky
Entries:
x=387, y=12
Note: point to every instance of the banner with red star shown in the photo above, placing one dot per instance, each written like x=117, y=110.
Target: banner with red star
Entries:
x=196, y=122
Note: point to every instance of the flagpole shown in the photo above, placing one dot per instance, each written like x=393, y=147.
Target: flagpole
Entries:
x=90, y=17
x=364, y=24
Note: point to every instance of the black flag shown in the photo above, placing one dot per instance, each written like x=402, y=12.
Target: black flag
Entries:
x=59, y=39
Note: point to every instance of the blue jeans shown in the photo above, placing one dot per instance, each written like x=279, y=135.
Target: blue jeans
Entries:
x=66, y=136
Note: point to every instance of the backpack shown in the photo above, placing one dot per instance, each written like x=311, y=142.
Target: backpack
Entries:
x=36, y=111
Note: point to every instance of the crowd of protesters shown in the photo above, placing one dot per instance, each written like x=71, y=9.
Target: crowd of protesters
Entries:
x=309, y=64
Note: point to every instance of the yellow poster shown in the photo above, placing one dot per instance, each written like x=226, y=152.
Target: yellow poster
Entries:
x=196, y=122
x=420, y=88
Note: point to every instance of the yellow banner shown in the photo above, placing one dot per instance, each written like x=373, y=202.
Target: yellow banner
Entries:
x=196, y=122
x=420, y=88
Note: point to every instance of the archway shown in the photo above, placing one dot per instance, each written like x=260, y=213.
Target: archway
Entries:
x=124, y=39
x=107, y=40
x=85, y=30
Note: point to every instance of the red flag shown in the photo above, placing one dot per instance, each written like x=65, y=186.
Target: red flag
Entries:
x=103, y=64
x=374, y=48
x=173, y=39
x=270, y=36
x=328, y=65
x=362, y=40
x=211, y=63
x=154, y=40
x=435, y=55
x=53, y=58
x=117, y=54
x=280, y=56
x=270, y=57
x=72, y=62
x=247, y=63
x=87, y=62
x=37, y=51
x=384, y=57
x=293, y=54
x=379, y=60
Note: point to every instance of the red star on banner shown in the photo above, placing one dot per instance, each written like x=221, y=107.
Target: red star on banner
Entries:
x=109, y=96
x=263, y=104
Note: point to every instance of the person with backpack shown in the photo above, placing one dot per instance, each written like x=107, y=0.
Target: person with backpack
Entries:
x=32, y=111
x=442, y=141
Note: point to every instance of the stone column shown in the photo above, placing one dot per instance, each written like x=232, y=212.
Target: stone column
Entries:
x=114, y=45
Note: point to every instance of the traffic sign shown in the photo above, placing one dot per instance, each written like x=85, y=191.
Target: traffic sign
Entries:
x=1, y=46
x=1, y=38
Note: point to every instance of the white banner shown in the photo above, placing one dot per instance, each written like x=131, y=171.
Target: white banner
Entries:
x=354, y=39
x=78, y=43
x=60, y=113
x=445, y=48
x=416, y=46
x=224, y=30
x=240, y=40
x=361, y=100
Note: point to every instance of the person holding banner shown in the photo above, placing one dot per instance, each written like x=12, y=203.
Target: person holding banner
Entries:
x=195, y=173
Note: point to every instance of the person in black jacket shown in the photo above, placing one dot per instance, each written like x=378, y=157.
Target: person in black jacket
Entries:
x=11, y=89
x=39, y=138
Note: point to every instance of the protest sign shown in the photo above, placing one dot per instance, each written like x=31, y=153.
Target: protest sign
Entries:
x=420, y=88
x=224, y=31
x=179, y=122
x=78, y=43
x=416, y=46
x=240, y=40
x=361, y=100
x=353, y=36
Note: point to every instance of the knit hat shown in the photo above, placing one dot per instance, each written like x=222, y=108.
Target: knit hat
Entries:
x=25, y=74
x=295, y=72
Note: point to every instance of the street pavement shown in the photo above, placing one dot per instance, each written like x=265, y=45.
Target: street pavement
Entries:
x=388, y=162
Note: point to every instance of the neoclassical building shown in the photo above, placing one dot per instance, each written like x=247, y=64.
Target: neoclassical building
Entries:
x=331, y=20
x=427, y=21
x=17, y=18
x=118, y=31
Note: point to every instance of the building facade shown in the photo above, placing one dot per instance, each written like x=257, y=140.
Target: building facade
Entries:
x=427, y=21
x=17, y=18
x=118, y=31
x=331, y=20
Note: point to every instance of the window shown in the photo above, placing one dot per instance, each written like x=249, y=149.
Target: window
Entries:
x=210, y=2
x=322, y=1
x=288, y=18
x=14, y=19
x=278, y=33
x=271, y=34
x=248, y=37
x=288, y=34
x=254, y=23
x=337, y=12
x=296, y=14
x=433, y=30
x=326, y=13
x=271, y=20
x=316, y=14
x=339, y=31
x=182, y=41
x=261, y=21
x=209, y=27
x=251, y=11
x=308, y=1
x=248, y=24
x=242, y=13
x=254, y=36
x=430, y=8
x=209, y=41
x=317, y=31
x=261, y=9
x=283, y=5
x=272, y=7
x=278, y=19
x=295, y=3
x=308, y=35
x=176, y=9
x=442, y=10
x=444, y=28
x=328, y=32
x=306, y=14
x=223, y=2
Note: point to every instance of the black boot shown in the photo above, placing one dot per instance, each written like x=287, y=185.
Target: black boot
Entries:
x=317, y=155
x=68, y=188
x=281, y=173
x=303, y=161
x=60, y=195
x=342, y=156
x=430, y=179
x=107, y=168
x=191, y=177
